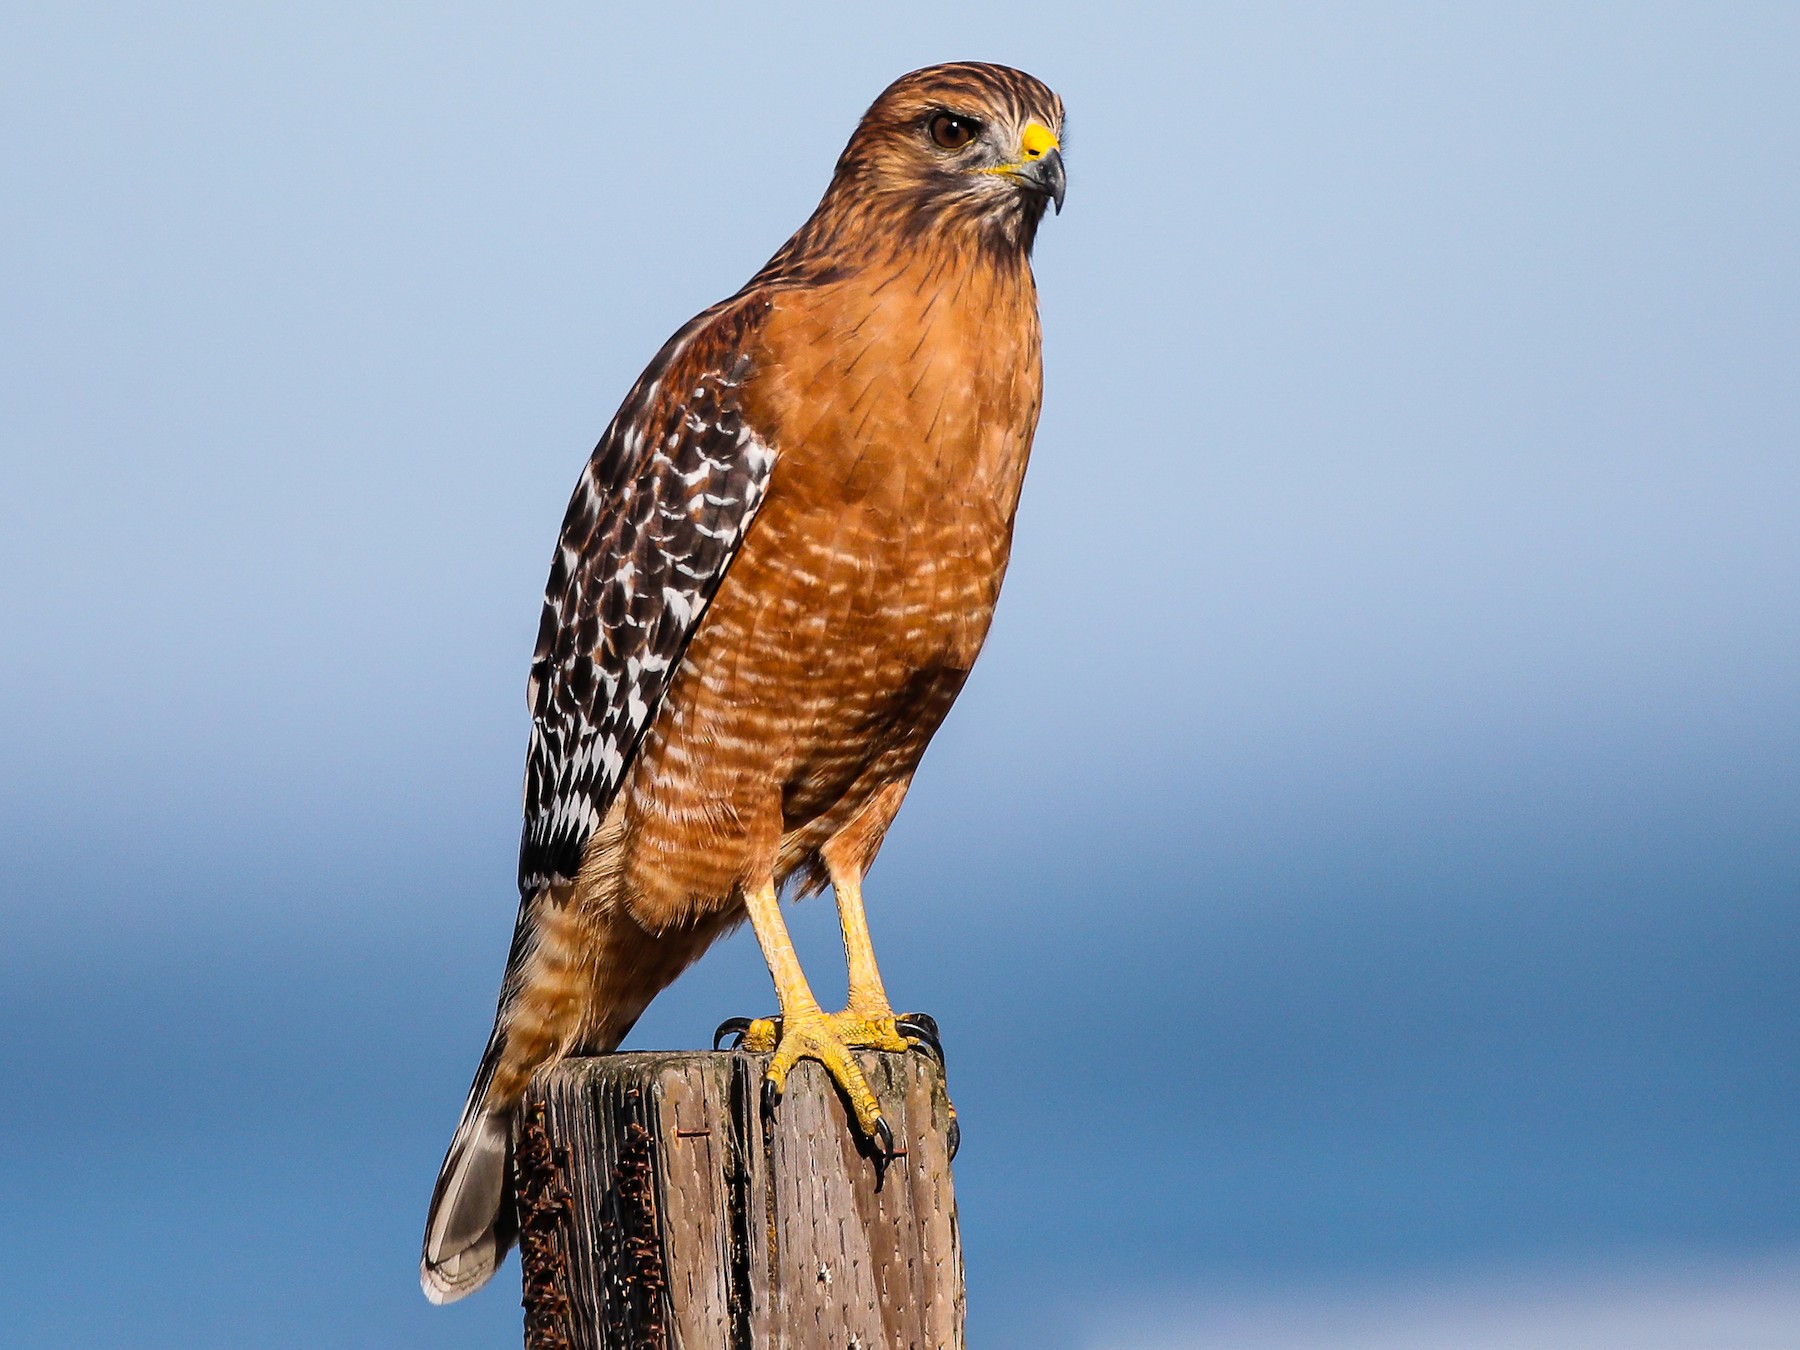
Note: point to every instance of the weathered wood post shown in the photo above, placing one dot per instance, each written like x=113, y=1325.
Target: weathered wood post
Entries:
x=659, y=1209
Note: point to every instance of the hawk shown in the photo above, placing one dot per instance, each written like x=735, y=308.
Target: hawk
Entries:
x=772, y=580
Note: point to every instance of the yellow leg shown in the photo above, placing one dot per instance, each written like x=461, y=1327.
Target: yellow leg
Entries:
x=806, y=1031
x=868, y=1017
x=867, y=1021
x=791, y=988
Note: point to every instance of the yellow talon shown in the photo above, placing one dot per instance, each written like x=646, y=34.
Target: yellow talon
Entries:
x=857, y=1031
x=761, y=1036
x=815, y=1035
x=862, y=1032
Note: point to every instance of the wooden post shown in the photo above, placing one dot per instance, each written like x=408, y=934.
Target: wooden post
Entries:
x=658, y=1209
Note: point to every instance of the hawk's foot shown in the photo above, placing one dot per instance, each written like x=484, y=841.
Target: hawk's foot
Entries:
x=831, y=1039
x=838, y=1033
x=858, y=1031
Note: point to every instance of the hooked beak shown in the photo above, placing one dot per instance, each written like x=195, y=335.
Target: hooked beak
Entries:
x=1045, y=174
x=1040, y=165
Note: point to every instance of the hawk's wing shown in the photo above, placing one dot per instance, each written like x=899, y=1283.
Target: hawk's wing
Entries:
x=655, y=521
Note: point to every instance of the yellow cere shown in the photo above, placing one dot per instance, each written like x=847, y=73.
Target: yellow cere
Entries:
x=1037, y=141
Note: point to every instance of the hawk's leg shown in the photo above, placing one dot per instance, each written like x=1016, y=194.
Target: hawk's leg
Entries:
x=868, y=1017
x=804, y=1030
x=868, y=1020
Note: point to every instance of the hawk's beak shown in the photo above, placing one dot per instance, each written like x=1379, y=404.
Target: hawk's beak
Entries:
x=1041, y=164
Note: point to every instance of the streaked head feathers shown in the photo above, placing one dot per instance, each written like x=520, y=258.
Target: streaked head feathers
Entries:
x=968, y=152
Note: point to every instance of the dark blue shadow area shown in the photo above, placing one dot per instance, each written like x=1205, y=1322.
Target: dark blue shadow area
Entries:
x=227, y=1136
x=225, y=1141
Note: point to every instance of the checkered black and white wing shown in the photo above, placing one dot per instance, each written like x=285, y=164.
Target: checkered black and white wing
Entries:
x=654, y=523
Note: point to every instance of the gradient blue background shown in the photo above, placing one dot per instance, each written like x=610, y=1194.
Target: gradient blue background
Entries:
x=1365, y=856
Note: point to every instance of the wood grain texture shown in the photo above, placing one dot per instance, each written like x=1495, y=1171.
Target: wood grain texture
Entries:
x=690, y=1222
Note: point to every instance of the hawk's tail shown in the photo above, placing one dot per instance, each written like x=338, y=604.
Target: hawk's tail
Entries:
x=473, y=1221
x=576, y=981
x=549, y=991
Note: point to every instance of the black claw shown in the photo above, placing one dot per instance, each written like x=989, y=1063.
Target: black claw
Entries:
x=953, y=1137
x=923, y=1029
x=771, y=1098
x=732, y=1026
x=925, y=1020
x=884, y=1136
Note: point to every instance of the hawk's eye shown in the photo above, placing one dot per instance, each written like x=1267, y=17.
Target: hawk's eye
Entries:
x=950, y=132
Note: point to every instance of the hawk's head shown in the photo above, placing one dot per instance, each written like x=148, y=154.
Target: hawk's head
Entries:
x=964, y=142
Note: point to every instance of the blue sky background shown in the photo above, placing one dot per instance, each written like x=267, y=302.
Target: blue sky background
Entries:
x=1365, y=859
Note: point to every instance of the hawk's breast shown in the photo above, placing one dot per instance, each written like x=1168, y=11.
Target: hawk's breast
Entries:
x=901, y=421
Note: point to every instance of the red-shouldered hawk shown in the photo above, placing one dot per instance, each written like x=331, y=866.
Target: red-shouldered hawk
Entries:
x=772, y=580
